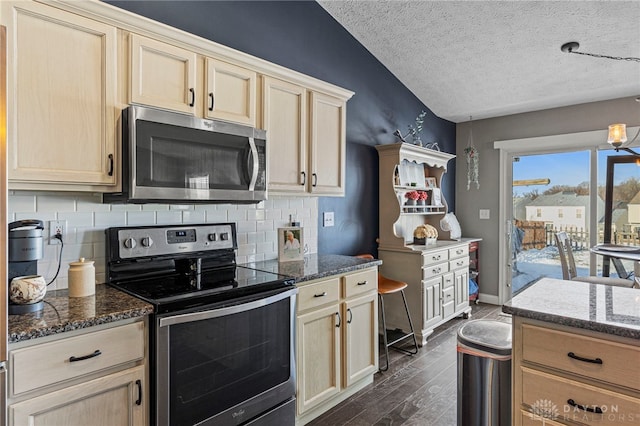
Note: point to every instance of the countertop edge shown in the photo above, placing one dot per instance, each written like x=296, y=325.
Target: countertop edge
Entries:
x=338, y=271
x=616, y=330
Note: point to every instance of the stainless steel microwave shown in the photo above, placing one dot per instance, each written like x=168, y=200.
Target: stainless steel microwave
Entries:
x=170, y=157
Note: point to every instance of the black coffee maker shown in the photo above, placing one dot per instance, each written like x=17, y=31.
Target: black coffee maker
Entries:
x=25, y=249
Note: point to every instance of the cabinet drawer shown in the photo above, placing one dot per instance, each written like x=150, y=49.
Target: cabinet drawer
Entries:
x=448, y=280
x=435, y=270
x=312, y=295
x=567, y=395
x=462, y=251
x=434, y=257
x=54, y=362
x=460, y=263
x=530, y=419
x=360, y=282
x=552, y=348
x=447, y=294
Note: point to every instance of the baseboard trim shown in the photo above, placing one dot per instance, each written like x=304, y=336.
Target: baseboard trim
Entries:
x=489, y=298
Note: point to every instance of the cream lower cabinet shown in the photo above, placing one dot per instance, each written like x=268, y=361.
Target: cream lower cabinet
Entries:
x=61, y=99
x=337, y=340
x=306, y=130
x=96, y=377
x=565, y=375
x=438, y=286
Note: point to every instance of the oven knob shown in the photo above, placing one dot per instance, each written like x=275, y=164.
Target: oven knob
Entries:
x=212, y=237
x=146, y=242
x=224, y=236
x=130, y=243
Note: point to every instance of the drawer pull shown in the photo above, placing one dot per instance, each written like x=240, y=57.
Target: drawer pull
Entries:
x=139, y=384
x=579, y=358
x=435, y=257
x=595, y=409
x=460, y=263
x=365, y=282
x=82, y=358
x=459, y=251
x=436, y=270
x=324, y=293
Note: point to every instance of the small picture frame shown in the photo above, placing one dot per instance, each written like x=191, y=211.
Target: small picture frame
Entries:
x=290, y=244
x=429, y=182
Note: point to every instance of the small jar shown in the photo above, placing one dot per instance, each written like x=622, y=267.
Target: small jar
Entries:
x=82, y=278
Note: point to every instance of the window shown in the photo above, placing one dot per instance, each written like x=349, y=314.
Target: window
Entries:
x=579, y=214
x=538, y=212
x=560, y=213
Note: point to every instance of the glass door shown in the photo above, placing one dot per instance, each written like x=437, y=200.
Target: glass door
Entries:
x=551, y=193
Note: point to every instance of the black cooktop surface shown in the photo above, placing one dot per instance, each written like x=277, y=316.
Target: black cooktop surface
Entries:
x=171, y=292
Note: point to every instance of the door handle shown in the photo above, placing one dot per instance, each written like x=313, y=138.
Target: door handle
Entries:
x=139, y=385
x=304, y=178
x=193, y=97
x=212, y=103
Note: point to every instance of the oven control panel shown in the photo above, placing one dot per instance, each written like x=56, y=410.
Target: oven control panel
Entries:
x=168, y=240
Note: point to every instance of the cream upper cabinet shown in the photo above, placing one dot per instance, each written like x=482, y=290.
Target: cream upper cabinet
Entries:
x=327, y=144
x=306, y=132
x=62, y=76
x=163, y=75
x=285, y=120
x=230, y=92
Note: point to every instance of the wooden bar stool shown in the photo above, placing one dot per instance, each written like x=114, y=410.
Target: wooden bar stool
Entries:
x=388, y=286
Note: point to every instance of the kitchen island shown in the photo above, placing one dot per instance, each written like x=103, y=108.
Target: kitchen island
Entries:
x=576, y=353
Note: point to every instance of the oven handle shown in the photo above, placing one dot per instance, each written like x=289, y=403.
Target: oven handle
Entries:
x=230, y=310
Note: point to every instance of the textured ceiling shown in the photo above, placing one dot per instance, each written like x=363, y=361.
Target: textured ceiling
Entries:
x=493, y=58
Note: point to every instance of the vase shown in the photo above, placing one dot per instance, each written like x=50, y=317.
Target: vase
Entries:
x=420, y=204
x=410, y=203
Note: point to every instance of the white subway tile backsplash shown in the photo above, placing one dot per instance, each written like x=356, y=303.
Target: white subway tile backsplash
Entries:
x=169, y=217
x=140, y=218
x=87, y=218
x=193, y=216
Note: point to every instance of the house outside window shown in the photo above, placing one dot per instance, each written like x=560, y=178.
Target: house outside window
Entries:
x=560, y=213
x=538, y=212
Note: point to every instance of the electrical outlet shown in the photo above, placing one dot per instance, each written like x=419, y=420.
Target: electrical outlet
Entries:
x=327, y=219
x=56, y=227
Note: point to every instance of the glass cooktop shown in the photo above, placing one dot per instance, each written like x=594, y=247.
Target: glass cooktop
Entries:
x=175, y=291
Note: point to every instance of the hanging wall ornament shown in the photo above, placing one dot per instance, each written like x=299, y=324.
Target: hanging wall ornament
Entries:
x=473, y=159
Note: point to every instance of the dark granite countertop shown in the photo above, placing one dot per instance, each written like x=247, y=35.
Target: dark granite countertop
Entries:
x=596, y=307
x=315, y=266
x=62, y=313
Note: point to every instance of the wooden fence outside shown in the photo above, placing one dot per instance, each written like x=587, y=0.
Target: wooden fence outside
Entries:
x=538, y=235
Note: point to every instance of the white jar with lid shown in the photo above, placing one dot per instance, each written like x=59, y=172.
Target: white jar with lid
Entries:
x=82, y=278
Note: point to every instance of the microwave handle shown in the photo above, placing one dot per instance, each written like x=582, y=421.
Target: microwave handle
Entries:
x=256, y=164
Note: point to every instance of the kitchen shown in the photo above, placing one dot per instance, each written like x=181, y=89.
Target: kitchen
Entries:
x=380, y=105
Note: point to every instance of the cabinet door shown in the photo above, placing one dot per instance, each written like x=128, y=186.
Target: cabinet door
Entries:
x=462, y=288
x=431, y=302
x=116, y=399
x=285, y=120
x=327, y=144
x=230, y=93
x=61, y=96
x=163, y=75
x=318, y=356
x=360, y=338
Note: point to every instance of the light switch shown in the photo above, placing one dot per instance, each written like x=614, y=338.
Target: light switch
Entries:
x=485, y=213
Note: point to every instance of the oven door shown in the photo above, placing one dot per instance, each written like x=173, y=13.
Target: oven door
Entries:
x=227, y=365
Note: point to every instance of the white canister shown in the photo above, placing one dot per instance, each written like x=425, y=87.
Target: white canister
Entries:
x=82, y=278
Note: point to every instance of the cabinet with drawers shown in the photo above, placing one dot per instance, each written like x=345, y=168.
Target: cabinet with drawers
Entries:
x=76, y=380
x=337, y=340
x=438, y=285
x=564, y=375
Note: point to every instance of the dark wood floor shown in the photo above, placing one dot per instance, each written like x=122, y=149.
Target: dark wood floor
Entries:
x=416, y=390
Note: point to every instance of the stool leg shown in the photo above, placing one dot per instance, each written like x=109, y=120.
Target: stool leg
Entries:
x=384, y=334
x=406, y=307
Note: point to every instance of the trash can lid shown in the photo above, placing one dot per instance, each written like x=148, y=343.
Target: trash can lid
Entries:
x=488, y=335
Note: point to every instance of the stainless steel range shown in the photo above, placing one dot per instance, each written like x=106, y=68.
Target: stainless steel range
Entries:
x=222, y=336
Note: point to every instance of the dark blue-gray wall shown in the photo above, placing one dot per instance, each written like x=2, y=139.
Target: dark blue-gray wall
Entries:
x=302, y=36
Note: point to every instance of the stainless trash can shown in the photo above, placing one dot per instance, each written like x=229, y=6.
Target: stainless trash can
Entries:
x=484, y=373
